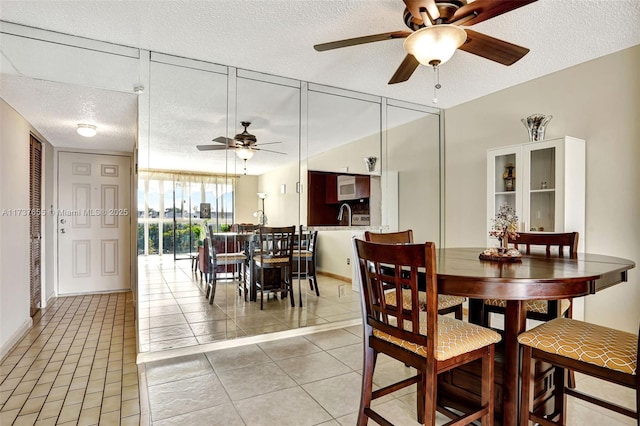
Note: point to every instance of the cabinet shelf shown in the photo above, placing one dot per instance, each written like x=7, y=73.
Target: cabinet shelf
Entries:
x=506, y=193
x=543, y=190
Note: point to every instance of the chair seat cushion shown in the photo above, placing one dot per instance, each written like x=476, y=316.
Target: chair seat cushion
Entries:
x=230, y=257
x=582, y=341
x=270, y=260
x=454, y=338
x=302, y=253
x=444, y=300
x=538, y=306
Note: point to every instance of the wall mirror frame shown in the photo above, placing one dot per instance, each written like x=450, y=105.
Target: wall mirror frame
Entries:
x=188, y=103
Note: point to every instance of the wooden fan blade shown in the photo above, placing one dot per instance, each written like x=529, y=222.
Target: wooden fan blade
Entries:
x=492, y=48
x=268, y=143
x=414, y=7
x=404, y=71
x=486, y=9
x=361, y=40
x=211, y=148
x=222, y=139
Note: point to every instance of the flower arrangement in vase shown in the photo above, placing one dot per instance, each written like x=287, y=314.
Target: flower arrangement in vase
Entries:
x=505, y=226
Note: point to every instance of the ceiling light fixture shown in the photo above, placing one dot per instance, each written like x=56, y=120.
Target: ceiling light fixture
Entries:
x=245, y=154
x=86, y=130
x=434, y=45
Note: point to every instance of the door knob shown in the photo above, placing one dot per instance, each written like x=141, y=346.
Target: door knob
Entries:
x=62, y=231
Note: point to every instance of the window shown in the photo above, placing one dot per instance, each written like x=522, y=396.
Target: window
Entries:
x=169, y=206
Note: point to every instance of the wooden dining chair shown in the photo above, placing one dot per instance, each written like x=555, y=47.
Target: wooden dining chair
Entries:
x=227, y=251
x=273, y=261
x=550, y=244
x=594, y=350
x=304, y=258
x=429, y=342
x=446, y=303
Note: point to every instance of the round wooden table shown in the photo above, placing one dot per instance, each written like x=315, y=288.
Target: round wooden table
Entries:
x=462, y=273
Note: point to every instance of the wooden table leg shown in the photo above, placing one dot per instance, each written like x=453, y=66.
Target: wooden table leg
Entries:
x=514, y=324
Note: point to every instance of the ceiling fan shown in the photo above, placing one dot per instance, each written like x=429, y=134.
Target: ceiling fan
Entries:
x=437, y=33
x=245, y=145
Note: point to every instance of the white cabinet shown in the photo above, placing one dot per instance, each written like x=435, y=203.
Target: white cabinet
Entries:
x=543, y=181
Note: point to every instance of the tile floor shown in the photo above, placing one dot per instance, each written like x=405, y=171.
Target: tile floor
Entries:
x=77, y=365
x=175, y=314
x=307, y=380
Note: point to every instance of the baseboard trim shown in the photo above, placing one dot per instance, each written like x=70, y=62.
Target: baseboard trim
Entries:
x=15, y=338
x=335, y=276
x=241, y=341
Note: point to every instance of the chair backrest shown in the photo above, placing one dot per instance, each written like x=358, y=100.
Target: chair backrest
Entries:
x=557, y=240
x=383, y=268
x=313, y=243
x=389, y=237
x=205, y=256
x=276, y=242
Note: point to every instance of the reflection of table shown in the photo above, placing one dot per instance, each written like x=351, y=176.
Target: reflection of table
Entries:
x=461, y=273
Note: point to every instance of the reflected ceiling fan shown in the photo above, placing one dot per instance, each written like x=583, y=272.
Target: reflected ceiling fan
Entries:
x=437, y=33
x=245, y=144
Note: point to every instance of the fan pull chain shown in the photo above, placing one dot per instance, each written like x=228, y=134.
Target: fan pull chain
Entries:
x=436, y=79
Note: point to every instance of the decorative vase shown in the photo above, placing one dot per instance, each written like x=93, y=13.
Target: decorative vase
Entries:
x=371, y=163
x=503, y=246
x=536, y=125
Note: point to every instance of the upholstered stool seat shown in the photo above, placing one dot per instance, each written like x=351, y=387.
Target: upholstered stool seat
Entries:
x=591, y=343
x=538, y=306
x=591, y=349
x=230, y=257
x=302, y=253
x=445, y=301
x=454, y=337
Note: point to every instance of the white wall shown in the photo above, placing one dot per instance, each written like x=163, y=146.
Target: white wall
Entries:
x=14, y=229
x=246, y=190
x=598, y=101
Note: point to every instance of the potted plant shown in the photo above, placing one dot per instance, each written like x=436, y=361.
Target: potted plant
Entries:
x=199, y=234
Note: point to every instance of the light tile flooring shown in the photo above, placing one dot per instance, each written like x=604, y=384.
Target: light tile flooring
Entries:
x=307, y=380
x=175, y=314
x=76, y=365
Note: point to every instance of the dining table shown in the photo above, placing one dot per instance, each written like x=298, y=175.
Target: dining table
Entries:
x=461, y=272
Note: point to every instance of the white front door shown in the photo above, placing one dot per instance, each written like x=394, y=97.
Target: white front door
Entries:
x=94, y=222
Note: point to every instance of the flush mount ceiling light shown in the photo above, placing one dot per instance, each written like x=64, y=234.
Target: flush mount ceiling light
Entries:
x=86, y=130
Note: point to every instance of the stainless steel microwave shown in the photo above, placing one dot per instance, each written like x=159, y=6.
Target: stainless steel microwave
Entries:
x=346, y=187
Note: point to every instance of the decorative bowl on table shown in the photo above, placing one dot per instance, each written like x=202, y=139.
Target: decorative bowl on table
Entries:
x=495, y=254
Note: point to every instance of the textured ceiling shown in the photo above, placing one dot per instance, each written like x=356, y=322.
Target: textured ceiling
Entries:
x=277, y=37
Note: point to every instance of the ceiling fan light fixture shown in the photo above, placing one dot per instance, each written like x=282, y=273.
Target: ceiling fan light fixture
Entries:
x=245, y=153
x=436, y=44
x=86, y=130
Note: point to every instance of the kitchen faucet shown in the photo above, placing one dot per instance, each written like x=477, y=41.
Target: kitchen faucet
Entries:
x=342, y=210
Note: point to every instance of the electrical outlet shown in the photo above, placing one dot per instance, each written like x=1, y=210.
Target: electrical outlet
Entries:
x=348, y=261
x=342, y=290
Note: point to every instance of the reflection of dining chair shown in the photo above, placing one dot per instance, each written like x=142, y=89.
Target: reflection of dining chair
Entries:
x=273, y=262
x=429, y=342
x=206, y=264
x=227, y=250
x=304, y=259
x=597, y=351
x=541, y=310
x=446, y=303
